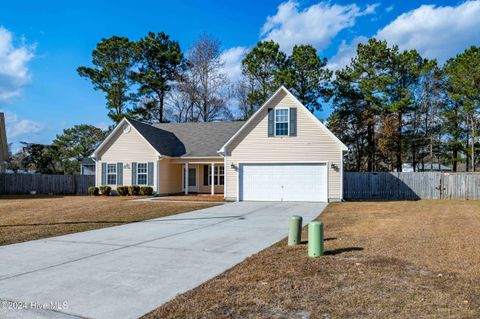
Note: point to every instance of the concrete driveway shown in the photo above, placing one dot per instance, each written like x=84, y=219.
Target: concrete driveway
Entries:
x=126, y=271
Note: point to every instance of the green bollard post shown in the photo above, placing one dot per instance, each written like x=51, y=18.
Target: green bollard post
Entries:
x=295, y=231
x=315, y=239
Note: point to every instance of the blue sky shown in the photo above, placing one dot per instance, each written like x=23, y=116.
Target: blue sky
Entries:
x=43, y=42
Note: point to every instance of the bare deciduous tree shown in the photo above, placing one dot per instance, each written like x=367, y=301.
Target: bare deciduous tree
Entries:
x=205, y=72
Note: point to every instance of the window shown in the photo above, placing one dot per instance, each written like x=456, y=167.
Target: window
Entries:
x=142, y=174
x=111, y=174
x=281, y=122
x=219, y=177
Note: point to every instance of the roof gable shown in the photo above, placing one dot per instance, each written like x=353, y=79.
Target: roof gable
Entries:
x=299, y=104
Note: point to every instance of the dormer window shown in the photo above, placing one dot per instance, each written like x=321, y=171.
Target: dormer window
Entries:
x=281, y=122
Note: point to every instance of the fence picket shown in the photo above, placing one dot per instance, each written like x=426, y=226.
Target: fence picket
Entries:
x=411, y=185
x=45, y=184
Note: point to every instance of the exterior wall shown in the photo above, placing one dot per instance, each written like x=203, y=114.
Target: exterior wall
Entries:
x=312, y=143
x=170, y=177
x=171, y=174
x=126, y=148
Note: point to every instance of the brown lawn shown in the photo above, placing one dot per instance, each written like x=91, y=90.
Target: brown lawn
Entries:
x=383, y=260
x=24, y=218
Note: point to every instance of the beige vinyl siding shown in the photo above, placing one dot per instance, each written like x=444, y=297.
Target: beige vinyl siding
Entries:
x=312, y=144
x=170, y=177
x=126, y=148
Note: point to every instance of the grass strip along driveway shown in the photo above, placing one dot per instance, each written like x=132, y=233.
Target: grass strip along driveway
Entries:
x=383, y=260
x=24, y=218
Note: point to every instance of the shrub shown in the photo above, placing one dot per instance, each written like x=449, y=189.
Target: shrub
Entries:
x=146, y=190
x=122, y=190
x=134, y=190
x=92, y=190
x=105, y=190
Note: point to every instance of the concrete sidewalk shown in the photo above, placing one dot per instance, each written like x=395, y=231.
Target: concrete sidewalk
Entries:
x=126, y=271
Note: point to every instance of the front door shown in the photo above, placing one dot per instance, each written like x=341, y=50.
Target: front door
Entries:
x=192, y=180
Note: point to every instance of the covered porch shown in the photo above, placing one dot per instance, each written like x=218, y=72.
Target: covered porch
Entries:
x=201, y=175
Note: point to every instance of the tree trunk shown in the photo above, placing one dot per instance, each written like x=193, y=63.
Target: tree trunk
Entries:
x=160, y=110
x=371, y=147
x=399, y=143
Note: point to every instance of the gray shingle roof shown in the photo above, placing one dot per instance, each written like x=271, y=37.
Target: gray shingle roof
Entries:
x=188, y=139
x=88, y=161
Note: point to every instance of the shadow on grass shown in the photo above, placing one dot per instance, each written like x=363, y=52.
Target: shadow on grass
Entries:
x=304, y=242
x=338, y=251
x=27, y=196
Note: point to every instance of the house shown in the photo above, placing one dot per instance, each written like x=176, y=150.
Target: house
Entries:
x=3, y=144
x=282, y=153
x=87, y=166
x=425, y=167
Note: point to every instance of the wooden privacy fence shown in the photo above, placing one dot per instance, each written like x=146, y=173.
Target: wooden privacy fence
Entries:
x=45, y=184
x=411, y=185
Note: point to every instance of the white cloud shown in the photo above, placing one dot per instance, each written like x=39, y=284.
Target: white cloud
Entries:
x=18, y=127
x=232, y=59
x=14, y=73
x=371, y=8
x=102, y=125
x=317, y=24
x=436, y=32
x=389, y=8
x=345, y=53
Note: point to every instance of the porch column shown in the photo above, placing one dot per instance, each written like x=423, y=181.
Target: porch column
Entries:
x=213, y=179
x=186, y=178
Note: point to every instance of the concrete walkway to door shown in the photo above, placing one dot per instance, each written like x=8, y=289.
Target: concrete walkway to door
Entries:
x=126, y=271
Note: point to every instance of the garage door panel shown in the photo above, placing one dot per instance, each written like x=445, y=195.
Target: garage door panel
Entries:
x=283, y=182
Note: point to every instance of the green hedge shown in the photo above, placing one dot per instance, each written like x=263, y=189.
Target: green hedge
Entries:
x=105, y=190
x=146, y=190
x=122, y=190
x=92, y=190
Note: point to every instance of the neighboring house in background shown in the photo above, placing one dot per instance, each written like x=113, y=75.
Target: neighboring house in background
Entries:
x=425, y=167
x=87, y=167
x=282, y=153
x=21, y=171
x=3, y=145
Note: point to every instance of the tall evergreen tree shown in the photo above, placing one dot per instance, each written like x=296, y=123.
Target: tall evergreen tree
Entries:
x=264, y=66
x=113, y=62
x=307, y=77
x=158, y=59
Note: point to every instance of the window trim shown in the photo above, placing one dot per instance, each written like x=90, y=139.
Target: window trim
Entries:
x=275, y=121
x=138, y=173
x=217, y=175
x=108, y=173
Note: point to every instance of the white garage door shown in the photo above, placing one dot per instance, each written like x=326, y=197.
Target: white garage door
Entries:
x=283, y=182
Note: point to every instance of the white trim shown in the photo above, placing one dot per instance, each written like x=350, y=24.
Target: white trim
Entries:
x=225, y=177
x=275, y=120
x=282, y=88
x=212, y=178
x=115, y=130
x=156, y=174
x=281, y=162
x=114, y=174
x=341, y=175
x=147, y=173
